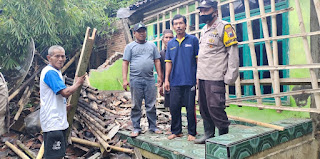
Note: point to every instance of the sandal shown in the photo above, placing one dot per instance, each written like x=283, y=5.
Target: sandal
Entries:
x=135, y=133
x=172, y=136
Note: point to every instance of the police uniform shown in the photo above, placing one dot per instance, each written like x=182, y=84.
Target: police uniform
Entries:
x=218, y=64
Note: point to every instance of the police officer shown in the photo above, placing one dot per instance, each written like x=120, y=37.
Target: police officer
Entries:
x=218, y=64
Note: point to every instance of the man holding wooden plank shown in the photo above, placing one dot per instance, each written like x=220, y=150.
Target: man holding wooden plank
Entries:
x=53, y=110
x=218, y=64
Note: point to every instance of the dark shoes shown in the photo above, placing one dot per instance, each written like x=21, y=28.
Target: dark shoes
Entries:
x=203, y=139
x=223, y=131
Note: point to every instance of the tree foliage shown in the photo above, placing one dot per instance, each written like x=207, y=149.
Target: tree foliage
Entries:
x=51, y=22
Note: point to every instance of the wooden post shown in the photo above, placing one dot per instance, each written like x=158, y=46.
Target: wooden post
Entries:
x=188, y=18
x=315, y=52
x=196, y=19
x=170, y=20
x=275, y=84
x=313, y=75
x=253, y=53
x=16, y=150
x=237, y=83
x=158, y=32
x=81, y=70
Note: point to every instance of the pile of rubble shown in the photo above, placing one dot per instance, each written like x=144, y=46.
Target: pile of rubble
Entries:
x=100, y=115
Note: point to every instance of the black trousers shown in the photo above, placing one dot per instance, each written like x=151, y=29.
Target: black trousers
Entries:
x=212, y=103
x=183, y=96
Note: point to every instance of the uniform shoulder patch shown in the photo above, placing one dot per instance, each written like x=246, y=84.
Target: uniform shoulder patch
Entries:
x=229, y=36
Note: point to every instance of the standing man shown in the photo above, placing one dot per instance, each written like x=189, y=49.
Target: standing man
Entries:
x=218, y=65
x=53, y=110
x=142, y=56
x=167, y=35
x=181, y=66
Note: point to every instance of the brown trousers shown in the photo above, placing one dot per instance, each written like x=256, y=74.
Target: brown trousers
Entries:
x=212, y=103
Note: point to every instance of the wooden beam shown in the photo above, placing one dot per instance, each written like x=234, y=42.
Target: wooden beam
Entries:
x=298, y=92
x=283, y=81
x=296, y=109
x=16, y=150
x=281, y=128
x=275, y=84
x=253, y=53
x=81, y=70
x=281, y=67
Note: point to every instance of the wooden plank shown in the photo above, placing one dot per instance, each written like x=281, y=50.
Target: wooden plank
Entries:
x=188, y=19
x=298, y=92
x=226, y=2
x=158, y=31
x=269, y=50
x=281, y=67
x=313, y=75
x=272, y=13
x=283, y=81
x=237, y=82
x=281, y=37
x=196, y=19
x=281, y=128
x=296, y=109
x=81, y=70
x=170, y=20
x=253, y=53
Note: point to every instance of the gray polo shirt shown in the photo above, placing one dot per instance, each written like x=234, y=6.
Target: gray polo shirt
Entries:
x=141, y=58
x=218, y=60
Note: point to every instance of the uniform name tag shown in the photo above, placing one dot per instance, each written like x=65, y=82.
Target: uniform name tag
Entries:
x=188, y=45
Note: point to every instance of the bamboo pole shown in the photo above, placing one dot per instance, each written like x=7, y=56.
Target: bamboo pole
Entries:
x=41, y=151
x=98, y=132
x=257, y=123
x=25, y=149
x=85, y=142
x=281, y=67
x=188, y=18
x=313, y=75
x=275, y=84
x=237, y=82
x=261, y=106
x=196, y=19
x=158, y=32
x=16, y=150
x=283, y=81
x=304, y=91
x=253, y=53
x=170, y=19
x=105, y=145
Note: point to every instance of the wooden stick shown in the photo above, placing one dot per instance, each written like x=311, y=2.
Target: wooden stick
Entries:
x=85, y=142
x=67, y=65
x=237, y=83
x=41, y=151
x=25, y=149
x=275, y=95
x=269, y=51
x=22, y=102
x=16, y=92
x=252, y=53
x=296, y=109
x=257, y=123
x=281, y=67
x=16, y=150
x=95, y=144
x=313, y=76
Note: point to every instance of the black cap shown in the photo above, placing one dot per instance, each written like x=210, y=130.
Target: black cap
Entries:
x=208, y=4
x=138, y=26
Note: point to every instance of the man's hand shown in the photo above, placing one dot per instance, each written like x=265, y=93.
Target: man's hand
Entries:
x=125, y=85
x=80, y=80
x=161, y=91
x=167, y=85
x=160, y=82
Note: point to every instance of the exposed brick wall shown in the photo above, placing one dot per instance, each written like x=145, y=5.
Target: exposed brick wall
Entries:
x=117, y=42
